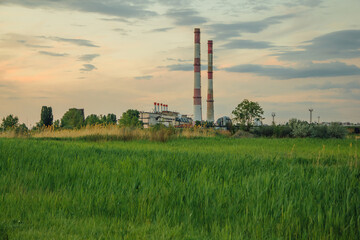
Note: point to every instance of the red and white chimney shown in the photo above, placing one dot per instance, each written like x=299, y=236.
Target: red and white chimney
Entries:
x=197, y=78
x=210, y=96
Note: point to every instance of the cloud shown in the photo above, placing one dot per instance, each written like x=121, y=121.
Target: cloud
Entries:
x=336, y=45
x=248, y=44
x=330, y=85
x=307, y=3
x=76, y=41
x=121, y=31
x=179, y=60
x=224, y=31
x=53, y=54
x=115, y=20
x=334, y=69
x=88, y=57
x=147, y=77
x=162, y=29
x=32, y=45
x=124, y=8
x=88, y=68
x=186, y=67
x=180, y=67
x=186, y=17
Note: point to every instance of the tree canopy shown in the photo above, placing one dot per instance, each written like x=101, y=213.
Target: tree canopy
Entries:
x=46, y=116
x=130, y=118
x=246, y=112
x=73, y=118
x=10, y=122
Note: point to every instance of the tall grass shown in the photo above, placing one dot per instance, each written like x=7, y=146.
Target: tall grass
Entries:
x=206, y=188
x=114, y=132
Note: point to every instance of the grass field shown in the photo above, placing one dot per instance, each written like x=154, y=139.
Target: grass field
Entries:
x=204, y=188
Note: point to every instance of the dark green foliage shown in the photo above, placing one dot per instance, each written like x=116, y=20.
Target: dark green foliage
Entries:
x=214, y=188
x=57, y=124
x=46, y=116
x=92, y=119
x=73, y=118
x=22, y=129
x=111, y=119
x=10, y=122
x=246, y=112
x=320, y=131
x=282, y=131
x=279, y=131
x=300, y=129
x=130, y=118
x=335, y=130
x=208, y=124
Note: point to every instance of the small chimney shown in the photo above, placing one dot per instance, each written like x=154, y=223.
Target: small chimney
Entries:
x=154, y=106
x=158, y=108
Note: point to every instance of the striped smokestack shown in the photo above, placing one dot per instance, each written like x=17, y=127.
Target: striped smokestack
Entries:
x=197, y=77
x=210, y=97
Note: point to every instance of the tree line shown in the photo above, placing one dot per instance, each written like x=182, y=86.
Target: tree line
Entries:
x=73, y=119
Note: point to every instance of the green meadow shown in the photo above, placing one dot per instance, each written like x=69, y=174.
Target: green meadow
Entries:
x=202, y=188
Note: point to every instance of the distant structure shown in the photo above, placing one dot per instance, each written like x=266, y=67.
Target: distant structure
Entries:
x=273, y=116
x=162, y=115
x=223, y=122
x=197, y=78
x=318, y=119
x=311, y=110
x=210, y=97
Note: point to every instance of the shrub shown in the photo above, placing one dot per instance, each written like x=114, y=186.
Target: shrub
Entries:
x=282, y=131
x=335, y=130
x=319, y=131
x=300, y=128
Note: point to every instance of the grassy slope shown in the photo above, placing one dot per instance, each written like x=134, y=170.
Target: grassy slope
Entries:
x=183, y=189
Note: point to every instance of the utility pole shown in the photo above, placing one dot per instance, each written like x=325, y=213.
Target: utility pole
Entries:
x=273, y=116
x=318, y=119
x=311, y=110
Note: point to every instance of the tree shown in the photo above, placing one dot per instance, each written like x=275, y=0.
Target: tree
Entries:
x=56, y=124
x=246, y=112
x=73, y=118
x=130, y=118
x=10, y=122
x=111, y=118
x=92, y=119
x=46, y=116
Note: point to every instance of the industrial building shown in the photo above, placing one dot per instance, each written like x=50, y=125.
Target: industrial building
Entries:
x=162, y=115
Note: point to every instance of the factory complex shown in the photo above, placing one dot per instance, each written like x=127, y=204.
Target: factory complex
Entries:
x=161, y=113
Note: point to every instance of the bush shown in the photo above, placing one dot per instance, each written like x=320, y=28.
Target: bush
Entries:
x=319, y=131
x=263, y=131
x=282, y=131
x=300, y=128
x=335, y=130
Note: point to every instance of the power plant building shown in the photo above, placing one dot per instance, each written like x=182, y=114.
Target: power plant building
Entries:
x=161, y=115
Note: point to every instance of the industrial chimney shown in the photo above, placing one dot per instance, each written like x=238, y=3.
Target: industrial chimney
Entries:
x=197, y=78
x=210, y=97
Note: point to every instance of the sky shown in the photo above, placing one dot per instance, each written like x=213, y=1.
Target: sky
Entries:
x=107, y=56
